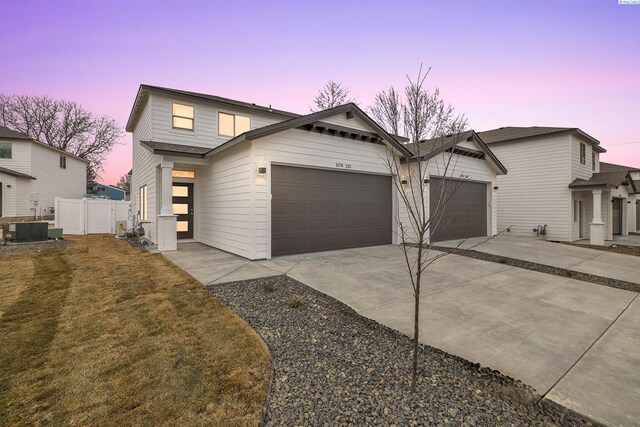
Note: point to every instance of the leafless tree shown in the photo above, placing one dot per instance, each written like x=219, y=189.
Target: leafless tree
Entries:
x=62, y=124
x=125, y=182
x=332, y=95
x=433, y=129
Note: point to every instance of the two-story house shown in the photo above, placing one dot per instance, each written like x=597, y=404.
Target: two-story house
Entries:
x=555, y=180
x=33, y=174
x=258, y=182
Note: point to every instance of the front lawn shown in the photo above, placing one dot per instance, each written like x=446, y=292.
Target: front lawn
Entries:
x=97, y=332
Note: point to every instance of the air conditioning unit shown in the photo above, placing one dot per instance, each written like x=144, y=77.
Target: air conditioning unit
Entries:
x=121, y=227
x=25, y=231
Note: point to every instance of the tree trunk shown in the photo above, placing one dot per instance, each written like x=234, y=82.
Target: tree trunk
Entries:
x=416, y=332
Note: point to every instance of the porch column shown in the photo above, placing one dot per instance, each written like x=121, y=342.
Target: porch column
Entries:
x=597, y=226
x=167, y=234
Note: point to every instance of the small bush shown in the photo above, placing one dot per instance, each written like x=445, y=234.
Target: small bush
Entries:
x=295, y=302
x=268, y=287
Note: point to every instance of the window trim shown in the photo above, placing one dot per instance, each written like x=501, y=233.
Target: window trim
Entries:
x=593, y=161
x=10, y=151
x=143, y=208
x=63, y=161
x=193, y=119
x=234, y=123
x=583, y=153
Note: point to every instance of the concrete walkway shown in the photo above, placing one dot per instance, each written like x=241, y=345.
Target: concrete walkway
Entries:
x=577, y=343
x=584, y=260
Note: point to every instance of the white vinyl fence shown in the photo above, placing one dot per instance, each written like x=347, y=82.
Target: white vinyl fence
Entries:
x=90, y=216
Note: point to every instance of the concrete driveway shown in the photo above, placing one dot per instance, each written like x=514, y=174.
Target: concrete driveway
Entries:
x=576, y=258
x=577, y=343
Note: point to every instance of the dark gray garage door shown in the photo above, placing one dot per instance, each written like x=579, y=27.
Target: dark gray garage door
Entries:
x=465, y=212
x=316, y=209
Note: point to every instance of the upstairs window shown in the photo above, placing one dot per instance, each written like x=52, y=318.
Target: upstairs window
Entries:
x=233, y=124
x=593, y=161
x=5, y=150
x=583, y=153
x=63, y=162
x=182, y=116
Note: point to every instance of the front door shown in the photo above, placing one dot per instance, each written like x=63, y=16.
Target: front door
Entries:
x=183, y=208
x=616, y=216
x=581, y=218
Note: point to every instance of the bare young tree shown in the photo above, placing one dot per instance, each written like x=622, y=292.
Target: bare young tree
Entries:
x=62, y=124
x=332, y=95
x=433, y=129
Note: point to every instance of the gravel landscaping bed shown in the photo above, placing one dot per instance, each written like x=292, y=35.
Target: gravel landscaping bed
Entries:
x=557, y=271
x=332, y=367
x=30, y=246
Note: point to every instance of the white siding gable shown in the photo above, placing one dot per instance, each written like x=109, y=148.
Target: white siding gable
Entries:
x=355, y=122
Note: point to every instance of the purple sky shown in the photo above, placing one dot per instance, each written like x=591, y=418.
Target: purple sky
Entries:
x=502, y=63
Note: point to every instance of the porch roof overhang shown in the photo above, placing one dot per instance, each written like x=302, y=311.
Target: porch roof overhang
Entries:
x=177, y=150
x=15, y=174
x=605, y=180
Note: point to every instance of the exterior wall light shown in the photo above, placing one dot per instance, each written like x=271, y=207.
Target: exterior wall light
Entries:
x=495, y=188
x=404, y=181
x=426, y=181
x=262, y=171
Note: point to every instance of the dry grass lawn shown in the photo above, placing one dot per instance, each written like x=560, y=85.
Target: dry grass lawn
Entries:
x=97, y=332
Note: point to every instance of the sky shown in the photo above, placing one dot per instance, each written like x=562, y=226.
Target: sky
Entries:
x=573, y=63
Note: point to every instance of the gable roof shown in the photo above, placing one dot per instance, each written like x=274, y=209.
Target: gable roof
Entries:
x=511, y=133
x=612, y=179
x=144, y=89
x=16, y=174
x=611, y=167
x=432, y=147
x=6, y=133
x=311, y=119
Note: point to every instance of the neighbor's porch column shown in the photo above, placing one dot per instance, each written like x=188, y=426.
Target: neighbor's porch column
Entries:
x=167, y=234
x=597, y=226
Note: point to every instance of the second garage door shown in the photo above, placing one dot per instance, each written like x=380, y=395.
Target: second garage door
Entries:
x=464, y=214
x=317, y=209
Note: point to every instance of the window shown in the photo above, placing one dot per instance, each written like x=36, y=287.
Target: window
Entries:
x=63, y=162
x=5, y=150
x=143, y=203
x=182, y=116
x=583, y=153
x=593, y=161
x=177, y=173
x=232, y=124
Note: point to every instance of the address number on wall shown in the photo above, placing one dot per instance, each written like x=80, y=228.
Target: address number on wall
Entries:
x=343, y=165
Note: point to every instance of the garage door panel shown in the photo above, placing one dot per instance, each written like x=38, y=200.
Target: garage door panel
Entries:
x=464, y=213
x=315, y=210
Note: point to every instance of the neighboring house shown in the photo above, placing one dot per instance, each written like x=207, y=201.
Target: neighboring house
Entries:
x=260, y=182
x=633, y=204
x=33, y=174
x=555, y=179
x=107, y=191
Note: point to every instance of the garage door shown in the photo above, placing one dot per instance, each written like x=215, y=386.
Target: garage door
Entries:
x=464, y=214
x=316, y=209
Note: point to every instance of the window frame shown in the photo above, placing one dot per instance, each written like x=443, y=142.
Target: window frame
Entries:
x=235, y=132
x=63, y=161
x=173, y=116
x=143, y=212
x=10, y=151
x=583, y=153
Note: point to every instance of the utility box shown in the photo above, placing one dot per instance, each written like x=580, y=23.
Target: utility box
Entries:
x=55, y=233
x=25, y=232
